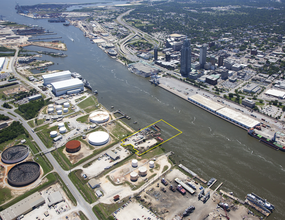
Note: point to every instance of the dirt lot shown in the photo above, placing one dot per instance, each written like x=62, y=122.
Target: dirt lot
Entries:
x=104, y=161
x=15, y=90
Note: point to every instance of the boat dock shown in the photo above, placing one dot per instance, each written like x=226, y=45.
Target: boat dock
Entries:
x=232, y=197
x=121, y=113
x=218, y=186
x=192, y=173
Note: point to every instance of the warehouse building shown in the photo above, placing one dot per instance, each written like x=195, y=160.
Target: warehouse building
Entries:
x=69, y=86
x=56, y=77
x=93, y=183
x=22, y=207
x=55, y=198
x=275, y=93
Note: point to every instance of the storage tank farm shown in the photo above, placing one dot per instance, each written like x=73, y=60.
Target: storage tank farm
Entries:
x=134, y=176
x=73, y=146
x=53, y=134
x=98, y=138
x=99, y=117
x=134, y=163
x=151, y=164
x=142, y=171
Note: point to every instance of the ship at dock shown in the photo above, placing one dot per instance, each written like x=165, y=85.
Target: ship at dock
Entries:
x=270, y=142
x=259, y=204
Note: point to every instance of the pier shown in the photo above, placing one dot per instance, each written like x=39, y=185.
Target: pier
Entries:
x=232, y=197
x=192, y=173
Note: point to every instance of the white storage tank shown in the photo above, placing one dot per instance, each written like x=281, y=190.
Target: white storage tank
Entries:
x=58, y=107
x=53, y=134
x=65, y=110
x=151, y=164
x=60, y=125
x=66, y=105
x=50, y=105
x=142, y=171
x=99, y=138
x=50, y=110
x=134, y=176
x=99, y=117
x=59, y=112
x=134, y=163
x=62, y=130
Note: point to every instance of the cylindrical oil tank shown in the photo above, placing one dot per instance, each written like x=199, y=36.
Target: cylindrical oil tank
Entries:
x=151, y=164
x=134, y=163
x=142, y=171
x=98, y=138
x=99, y=117
x=62, y=130
x=134, y=176
x=59, y=112
x=53, y=134
x=66, y=105
x=50, y=110
x=50, y=105
x=61, y=124
x=65, y=110
x=73, y=146
x=58, y=107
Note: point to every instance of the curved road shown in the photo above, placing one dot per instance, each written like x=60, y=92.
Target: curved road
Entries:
x=81, y=203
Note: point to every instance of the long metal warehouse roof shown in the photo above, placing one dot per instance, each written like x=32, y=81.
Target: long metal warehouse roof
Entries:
x=238, y=117
x=58, y=74
x=22, y=207
x=66, y=84
x=206, y=102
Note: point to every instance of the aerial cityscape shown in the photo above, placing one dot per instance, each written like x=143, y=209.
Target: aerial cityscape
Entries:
x=133, y=110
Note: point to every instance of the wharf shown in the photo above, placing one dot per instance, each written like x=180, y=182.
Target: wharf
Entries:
x=186, y=98
x=257, y=208
x=192, y=173
x=218, y=186
x=232, y=197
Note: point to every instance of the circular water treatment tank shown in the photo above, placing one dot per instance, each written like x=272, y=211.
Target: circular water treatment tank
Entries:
x=58, y=107
x=24, y=174
x=134, y=163
x=65, y=110
x=142, y=171
x=99, y=117
x=73, y=146
x=134, y=176
x=98, y=138
x=53, y=134
x=62, y=130
x=60, y=125
x=50, y=105
x=50, y=110
x=151, y=164
x=59, y=112
x=66, y=104
x=15, y=154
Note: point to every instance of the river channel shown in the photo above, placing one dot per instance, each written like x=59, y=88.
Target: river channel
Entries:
x=209, y=146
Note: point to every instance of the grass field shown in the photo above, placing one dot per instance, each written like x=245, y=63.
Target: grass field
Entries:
x=90, y=101
x=83, y=119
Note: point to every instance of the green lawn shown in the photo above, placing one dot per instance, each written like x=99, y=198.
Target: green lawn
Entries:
x=120, y=132
x=5, y=194
x=31, y=123
x=83, y=119
x=90, y=101
x=82, y=186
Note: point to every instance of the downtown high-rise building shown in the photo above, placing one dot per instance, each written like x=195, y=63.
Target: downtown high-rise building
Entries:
x=185, y=60
x=203, y=55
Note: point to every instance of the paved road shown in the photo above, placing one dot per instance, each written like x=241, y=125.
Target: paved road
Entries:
x=81, y=203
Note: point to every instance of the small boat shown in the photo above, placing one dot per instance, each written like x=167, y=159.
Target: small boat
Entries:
x=135, y=122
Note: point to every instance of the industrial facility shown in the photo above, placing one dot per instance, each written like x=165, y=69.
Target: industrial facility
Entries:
x=73, y=146
x=224, y=112
x=15, y=154
x=22, y=207
x=99, y=117
x=56, y=77
x=99, y=138
x=69, y=86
